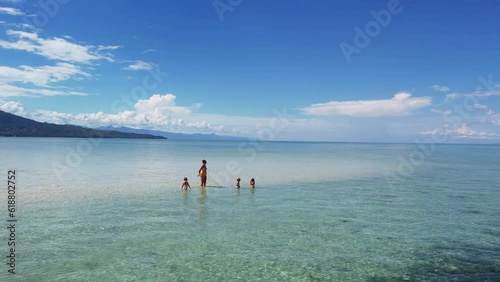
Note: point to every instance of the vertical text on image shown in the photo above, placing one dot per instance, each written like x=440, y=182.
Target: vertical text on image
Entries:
x=11, y=221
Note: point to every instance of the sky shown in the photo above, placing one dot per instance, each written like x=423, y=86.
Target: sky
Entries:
x=296, y=70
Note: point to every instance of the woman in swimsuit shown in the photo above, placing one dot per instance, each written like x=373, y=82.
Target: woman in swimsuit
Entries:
x=202, y=173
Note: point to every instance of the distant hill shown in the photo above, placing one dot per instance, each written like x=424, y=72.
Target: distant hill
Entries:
x=13, y=125
x=176, y=136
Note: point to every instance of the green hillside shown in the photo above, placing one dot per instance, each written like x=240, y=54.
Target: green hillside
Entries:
x=13, y=125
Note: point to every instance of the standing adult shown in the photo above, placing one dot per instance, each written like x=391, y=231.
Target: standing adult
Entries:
x=202, y=173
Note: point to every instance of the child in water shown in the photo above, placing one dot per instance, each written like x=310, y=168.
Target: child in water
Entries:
x=185, y=185
x=252, y=183
x=238, y=182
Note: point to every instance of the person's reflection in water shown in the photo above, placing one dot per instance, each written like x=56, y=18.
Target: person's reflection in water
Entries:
x=186, y=208
x=185, y=193
x=203, y=208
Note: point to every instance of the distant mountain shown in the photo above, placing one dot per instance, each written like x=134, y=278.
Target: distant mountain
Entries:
x=176, y=136
x=12, y=125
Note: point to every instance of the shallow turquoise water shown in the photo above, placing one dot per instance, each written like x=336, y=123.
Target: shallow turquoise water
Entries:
x=320, y=212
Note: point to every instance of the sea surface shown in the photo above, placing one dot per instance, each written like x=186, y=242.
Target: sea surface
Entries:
x=112, y=210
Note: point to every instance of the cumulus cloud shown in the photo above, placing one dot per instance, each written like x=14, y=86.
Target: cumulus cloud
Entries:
x=463, y=132
x=11, y=11
x=12, y=107
x=401, y=104
x=54, y=48
x=158, y=112
x=161, y=104
x=439, y=88
x=140, y=65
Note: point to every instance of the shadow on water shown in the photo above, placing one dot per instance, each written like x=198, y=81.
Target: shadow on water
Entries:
x=457, y=262
x=212, y=186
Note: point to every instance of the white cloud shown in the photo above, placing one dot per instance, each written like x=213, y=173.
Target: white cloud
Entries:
x=54, y=48
x=12, y=107
x=160, y=105
x=463, y=132
x=493, y=117
x=46, y=76
x=484, y=93
x=443, y=112
x=453, y=96
x=149, y=50
x=400, y=104
x=11, y=11
x=7, y=90
x=492, y=88
x=40, y=76
x=160, y=112
x=110, y=47
x=140, y=65
x=480, y=107
x=439, y=88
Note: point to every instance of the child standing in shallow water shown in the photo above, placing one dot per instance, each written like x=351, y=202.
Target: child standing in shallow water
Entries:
x=185, y=184
x=238, y=182
x=252, y=183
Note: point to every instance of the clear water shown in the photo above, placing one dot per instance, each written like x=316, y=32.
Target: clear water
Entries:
x=112, y=210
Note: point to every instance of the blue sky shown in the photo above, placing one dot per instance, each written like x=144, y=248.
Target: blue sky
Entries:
x=381, y=71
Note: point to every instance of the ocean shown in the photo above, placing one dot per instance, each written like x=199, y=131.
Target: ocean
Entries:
x=113, y=210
